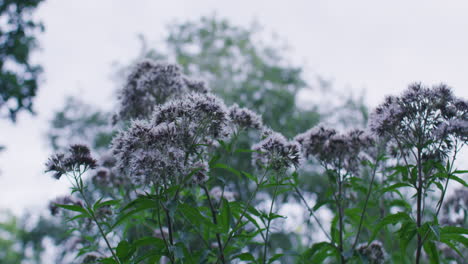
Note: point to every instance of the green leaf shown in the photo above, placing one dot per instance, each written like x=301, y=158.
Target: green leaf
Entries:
x=275, y=257
x=98, y=204
x=391, y=219
x=394, y=187
x=75, y=208
x=432, y=251
x=149, y=241
x=454, y=230
x=109, y=260
x=246, y=256
x=193, y=214
x=319, y=252
x=141, y=207
x=124, y=250
x=225, y=216
x=226, y=167
x=250, y=176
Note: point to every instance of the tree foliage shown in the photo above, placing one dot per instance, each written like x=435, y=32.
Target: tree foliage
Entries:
x=18, y=76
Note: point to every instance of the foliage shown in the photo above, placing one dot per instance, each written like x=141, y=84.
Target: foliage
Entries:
x=18, y=76
x=166, y=199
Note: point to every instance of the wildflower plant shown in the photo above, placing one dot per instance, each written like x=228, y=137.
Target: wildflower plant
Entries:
x=427, y=127
x=166, y=197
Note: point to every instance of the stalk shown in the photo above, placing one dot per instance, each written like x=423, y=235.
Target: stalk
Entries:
x=418, y=208
x=93, y=216
x=361, y=220
x=268, y=224
x=215, y=221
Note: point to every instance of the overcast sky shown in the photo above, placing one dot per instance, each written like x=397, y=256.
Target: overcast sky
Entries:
x=379, y=46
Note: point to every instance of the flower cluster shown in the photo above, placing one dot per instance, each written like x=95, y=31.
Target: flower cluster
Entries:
x=374, y=253
x=168, y=146
x=334, y=150
x=151, y=83
x=107, y=175
x=426, y=117
x=245, y=118
x=277, y=153
x=78, y=157
x=199, y=115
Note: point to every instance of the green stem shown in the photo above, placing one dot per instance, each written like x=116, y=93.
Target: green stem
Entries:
x=311, y=212
x=171, y=257
x=361, y=220
x=418, y=208
x=93, y=216
x=239, y=221
x=215, y=221
x=269, y=222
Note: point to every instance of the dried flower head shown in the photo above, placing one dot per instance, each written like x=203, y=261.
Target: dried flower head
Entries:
x=77, y=158
x=245, y=118
x=374, y=252
x=277, y=153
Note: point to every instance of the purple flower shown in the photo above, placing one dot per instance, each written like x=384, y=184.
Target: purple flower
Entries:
x=334, y=150
x=78, y=156
x=277, y=153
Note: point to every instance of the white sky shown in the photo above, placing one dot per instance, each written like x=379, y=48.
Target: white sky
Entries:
x=379, y=46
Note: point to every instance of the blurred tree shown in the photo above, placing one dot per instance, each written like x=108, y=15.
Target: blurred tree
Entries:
x=10, y=234
x=18, y=76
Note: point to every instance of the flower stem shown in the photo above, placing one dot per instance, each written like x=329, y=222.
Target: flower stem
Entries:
x=269, y=222
x=93, y=216
x=361, y=220
x=418, y=208
x=215, y=221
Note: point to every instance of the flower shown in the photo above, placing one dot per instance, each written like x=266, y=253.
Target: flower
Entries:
x=334, y=150
x=422, y=117
x=244, y=117
x=78, y=156
x=153, y=83
x=198, y=86
x=374, y=253
x=169, y=146
x=148, y=84
x=277, y=152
